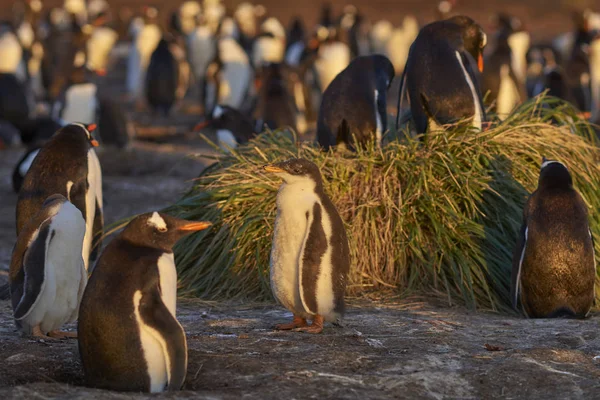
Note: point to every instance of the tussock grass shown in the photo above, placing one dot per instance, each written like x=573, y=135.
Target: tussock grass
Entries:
x=435, y=217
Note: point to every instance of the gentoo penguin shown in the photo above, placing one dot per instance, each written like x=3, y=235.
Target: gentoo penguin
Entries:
x=333, y=56
x=228, y=77
x=47, y=275
x=295, y=42
x=503, y=78
x=554, y=267
x=101, y=42
x=441, y=76
x=162, y=78
x=202, y=50
x=144, y=43
x=399, y=43
x=129, y=336
x=67, y=165
x=310, y=258
x=269, y=46
x=11, y=52
x=354, y=104
x=380, y=35
x=247, y=20
x=232, y=127
x=276, y=105
x=214, y=11
x=187, y=15
x=77, y=101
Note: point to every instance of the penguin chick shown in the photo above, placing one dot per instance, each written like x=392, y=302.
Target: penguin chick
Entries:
x=554, y=266
x=47, y=274
x=310, y=257
x=129, y=336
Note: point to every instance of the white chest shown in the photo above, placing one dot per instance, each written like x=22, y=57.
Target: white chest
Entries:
x=294, y=202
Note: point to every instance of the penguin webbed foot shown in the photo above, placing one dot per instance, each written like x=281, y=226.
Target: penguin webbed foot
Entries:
x=315, y=327
x=298, y=322
x=62, y=334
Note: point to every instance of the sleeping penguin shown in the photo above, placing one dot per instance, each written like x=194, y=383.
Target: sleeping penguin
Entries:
x=67, y=164
x=441, y=75
x=47, y=275
x=310, y=258
x=129, y=336
x=358, y=97
x=554, y=267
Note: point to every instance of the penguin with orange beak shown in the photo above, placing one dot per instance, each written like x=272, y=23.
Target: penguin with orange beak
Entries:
x=443, y=73
x=129, y=336
x=68, y=165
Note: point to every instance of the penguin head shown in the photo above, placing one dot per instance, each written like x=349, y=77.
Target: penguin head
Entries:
x=554, y=174
x=79, y=130
x=474, y=38
x=296, y=170
x=160, y=231
x=384, y=69
x=226, y=118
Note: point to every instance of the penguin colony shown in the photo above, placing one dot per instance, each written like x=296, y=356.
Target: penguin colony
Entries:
x=248, y=72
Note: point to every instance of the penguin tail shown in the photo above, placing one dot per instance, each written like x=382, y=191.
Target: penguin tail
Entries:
x=563, y=312
x=343, y=134
x=433, y=123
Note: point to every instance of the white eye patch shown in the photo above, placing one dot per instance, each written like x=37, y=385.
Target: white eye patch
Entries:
x=548, y=162
x=157, y=222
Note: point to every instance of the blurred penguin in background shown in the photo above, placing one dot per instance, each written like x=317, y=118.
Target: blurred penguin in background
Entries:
x=506, y=66
x=269, y=46
x=144, y=43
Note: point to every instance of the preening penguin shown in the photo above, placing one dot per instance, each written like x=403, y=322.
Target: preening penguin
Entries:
x=358, y=97
x=47, y=275
x=310, y=258
x=129, y=336
x=67, y=164
x=441, y=75
x=554, y=267
x=232, y=127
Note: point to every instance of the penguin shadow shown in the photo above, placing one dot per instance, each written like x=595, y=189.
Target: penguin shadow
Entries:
x=502, y=204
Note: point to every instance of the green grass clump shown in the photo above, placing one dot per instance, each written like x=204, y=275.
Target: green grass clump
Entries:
x=437, y=216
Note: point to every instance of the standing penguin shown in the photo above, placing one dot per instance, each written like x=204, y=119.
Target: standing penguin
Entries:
x=355, y=103
x=78, y=99
x=129, y=336
x=47, y=275
x=554, y=267
x=66, y=165
x=162, y=78
x=441, y=75
x=310, y=258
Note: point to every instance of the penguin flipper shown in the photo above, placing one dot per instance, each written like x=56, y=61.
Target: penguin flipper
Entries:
x=311, y=257
x=34, y=273
x=164, y=327
x=518, y=256
x=98, y=230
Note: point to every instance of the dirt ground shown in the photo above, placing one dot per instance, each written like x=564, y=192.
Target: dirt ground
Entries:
x=404, y=350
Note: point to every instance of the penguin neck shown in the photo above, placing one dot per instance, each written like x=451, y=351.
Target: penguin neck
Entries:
x=301, y=185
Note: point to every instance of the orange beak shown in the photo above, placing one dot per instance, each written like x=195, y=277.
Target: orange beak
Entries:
x=195, y=226
x=94, y=143
x=480, y=62
x=202, y=125
x=91, y=127
x=273, y=169
x=101, y=72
